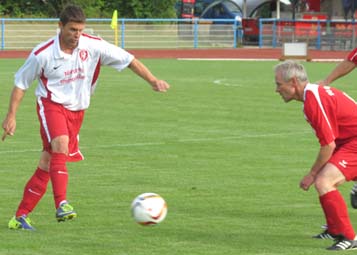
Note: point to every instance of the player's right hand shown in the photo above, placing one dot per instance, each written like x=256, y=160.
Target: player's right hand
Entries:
x=9, y=126
x=160, y=86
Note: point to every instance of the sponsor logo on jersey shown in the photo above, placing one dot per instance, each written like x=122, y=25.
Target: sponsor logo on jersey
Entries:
x=343, y=163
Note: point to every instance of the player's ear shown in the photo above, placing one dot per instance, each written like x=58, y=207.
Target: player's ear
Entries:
x=60, y=24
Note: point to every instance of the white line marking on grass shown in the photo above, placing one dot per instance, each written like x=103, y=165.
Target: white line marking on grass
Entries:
x=127, y=145
x=225, y=83
x=184, y=140
x=86, y=147
x=255, y=59
x=241, y=137
x=19, y=151
x=227, y=59
x=327, y=60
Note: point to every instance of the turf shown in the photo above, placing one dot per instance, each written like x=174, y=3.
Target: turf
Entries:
x=221, y=147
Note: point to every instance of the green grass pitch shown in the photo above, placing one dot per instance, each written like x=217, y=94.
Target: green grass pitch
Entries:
x=221, y=147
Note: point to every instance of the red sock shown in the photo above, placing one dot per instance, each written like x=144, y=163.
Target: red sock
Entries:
x=59, y=177
x=336, y=214
x=33, y=192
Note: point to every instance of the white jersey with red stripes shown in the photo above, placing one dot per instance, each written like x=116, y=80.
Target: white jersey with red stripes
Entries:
x=70, y=79
x=331, y=113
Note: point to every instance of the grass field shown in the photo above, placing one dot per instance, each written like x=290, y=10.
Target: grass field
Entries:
x=221, y=147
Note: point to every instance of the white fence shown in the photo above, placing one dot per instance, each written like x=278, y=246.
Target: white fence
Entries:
x=19, y=34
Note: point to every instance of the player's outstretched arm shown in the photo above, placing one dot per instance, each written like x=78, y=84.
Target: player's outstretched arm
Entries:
x=9, y=123
x=140, y=69
x=340, y=70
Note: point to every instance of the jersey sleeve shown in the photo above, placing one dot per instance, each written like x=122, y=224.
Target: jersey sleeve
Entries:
x=352, y=56
x=26, y=75
x=114, y=56
x=320, y=119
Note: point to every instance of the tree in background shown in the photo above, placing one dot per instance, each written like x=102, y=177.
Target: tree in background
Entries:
x=92, y=8
x=146, y=8
x=20, y=8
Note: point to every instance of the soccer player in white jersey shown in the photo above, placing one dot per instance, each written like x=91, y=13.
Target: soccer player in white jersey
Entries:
x=333, y=116
x=66, y=67
x=342, y=69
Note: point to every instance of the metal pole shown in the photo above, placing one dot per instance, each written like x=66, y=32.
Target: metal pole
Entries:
x=235, y=31
x=245, y=9
x=260, y=33
x=2, y=34
x=353, y=24
x=278, y=9
x=123, y=33
x=195, y=34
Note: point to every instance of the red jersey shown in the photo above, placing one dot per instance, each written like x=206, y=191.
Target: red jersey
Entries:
x=331, y=113
x=352, y=56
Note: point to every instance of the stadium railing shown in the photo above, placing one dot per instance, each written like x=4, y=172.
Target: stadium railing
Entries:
x=317, y=34
x=23, y=34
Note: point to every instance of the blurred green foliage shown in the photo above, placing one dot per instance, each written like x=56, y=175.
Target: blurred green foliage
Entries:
x=92, y=8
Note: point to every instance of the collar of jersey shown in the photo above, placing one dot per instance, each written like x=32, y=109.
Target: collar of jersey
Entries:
x=59, y=54
x=309, y=86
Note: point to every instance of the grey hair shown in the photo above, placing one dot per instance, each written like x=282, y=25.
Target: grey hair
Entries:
x=289, y=69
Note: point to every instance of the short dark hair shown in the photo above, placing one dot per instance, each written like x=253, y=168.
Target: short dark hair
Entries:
x=72, y=13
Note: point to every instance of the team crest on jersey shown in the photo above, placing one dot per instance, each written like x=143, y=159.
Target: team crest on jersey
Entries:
x=83, y=54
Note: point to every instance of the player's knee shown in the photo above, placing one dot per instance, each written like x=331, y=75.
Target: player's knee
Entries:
x=323, y=185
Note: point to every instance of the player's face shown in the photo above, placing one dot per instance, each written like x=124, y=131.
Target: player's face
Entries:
x=69, y=35
x=285, y=89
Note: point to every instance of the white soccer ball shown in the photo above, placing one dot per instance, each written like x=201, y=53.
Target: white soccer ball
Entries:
x=148, y=209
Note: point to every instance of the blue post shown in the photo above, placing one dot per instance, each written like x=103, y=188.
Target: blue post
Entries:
x=353, y=32
x=123, y=33
x=318, y=43
x=195, y=32
x=274, y=34
x=235, y=31
x=260, y=33
x=2, y=34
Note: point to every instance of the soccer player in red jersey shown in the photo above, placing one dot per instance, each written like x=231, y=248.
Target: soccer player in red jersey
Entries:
x=333, y=116
x=66, y=67
x=342, y=69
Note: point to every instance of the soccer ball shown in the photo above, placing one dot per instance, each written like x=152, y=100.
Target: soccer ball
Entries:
x=148, y=209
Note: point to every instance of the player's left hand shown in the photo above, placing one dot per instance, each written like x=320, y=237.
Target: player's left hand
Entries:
x=307, y=181
x=160, y=86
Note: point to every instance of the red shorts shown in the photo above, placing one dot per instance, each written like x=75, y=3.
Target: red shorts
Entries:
x=345, y=159
x=55, y=120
